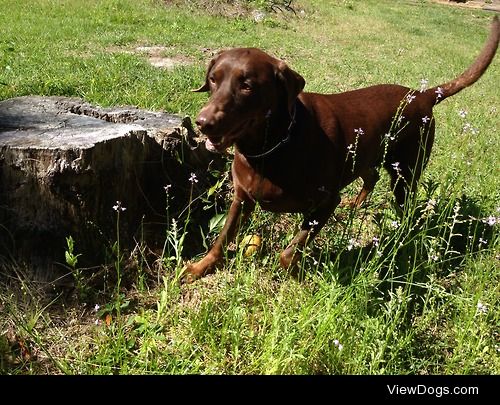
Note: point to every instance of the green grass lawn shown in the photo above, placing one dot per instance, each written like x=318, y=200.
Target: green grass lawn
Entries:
x=381, y=295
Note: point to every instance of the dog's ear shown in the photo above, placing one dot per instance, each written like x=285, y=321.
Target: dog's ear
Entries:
x=291, y=81
x=205, y=86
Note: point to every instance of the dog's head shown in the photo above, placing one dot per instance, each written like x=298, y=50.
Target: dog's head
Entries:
x=245, y=84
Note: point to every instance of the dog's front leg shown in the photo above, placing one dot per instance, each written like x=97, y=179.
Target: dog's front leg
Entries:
x=238, y=213
x=312, y=224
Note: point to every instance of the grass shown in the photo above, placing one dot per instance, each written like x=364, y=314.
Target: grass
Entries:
x=421, y=298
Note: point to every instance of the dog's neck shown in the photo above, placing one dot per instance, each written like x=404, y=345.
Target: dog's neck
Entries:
x=269, y=137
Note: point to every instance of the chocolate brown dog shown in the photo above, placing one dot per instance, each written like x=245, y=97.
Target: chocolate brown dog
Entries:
x=295, y=151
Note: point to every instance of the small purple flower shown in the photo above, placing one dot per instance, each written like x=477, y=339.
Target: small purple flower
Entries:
x=439, y=92
x=425, y=119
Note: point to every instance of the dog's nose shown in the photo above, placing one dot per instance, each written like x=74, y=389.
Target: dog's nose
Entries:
x=204, y=124
x=200, y=120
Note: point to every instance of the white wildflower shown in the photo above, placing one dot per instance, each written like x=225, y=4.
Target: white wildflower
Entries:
x=491, y=220
x=359, y=131
x=481, y=308
x=396, y=167
x=423, y=85
x=118, y=206
x=193, y=178
x=352, y=243
x=431, y=204
x=410, y=98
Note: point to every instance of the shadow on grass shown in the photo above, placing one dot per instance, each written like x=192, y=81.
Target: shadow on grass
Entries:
x=434, y=240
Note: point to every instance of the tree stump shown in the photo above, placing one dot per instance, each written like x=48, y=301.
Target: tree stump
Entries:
x=64, y=164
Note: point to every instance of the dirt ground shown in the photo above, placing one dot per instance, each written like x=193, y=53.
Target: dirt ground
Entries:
x=493, y=5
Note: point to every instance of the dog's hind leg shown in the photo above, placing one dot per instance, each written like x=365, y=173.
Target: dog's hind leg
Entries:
x=370, y=177
x=406, y=163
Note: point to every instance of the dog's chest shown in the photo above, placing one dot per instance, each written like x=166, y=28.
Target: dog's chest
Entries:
x=273, y=198
x=272, y=191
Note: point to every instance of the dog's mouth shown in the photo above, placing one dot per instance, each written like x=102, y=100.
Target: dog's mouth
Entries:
x=220, y=144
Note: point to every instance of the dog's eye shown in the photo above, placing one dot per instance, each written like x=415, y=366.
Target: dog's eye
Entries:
x=211, y=79
x=245, y=86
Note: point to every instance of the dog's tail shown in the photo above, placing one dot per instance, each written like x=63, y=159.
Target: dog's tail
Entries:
x=474, y=72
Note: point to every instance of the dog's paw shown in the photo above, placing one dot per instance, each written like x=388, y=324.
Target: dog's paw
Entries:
x=290, y=258
x=194, y=271
x=189, y=274
x=290, y=262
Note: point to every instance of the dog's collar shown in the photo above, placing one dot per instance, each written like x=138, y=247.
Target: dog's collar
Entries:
x=284, y=141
